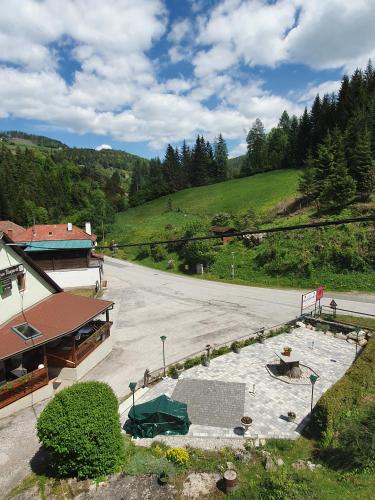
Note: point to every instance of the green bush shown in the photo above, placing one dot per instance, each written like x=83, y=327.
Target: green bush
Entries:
x=158, y=253
x=144, y=462
x=349, y=392
x=80, y=427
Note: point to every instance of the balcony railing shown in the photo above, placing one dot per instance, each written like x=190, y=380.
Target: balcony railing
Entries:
x=17, y=389
x=74, y=352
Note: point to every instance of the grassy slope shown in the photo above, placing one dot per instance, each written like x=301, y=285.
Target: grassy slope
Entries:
x=260, y=192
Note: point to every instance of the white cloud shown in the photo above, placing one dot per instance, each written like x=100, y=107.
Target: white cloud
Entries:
x=116, y=89
x=323, y=88
x=239, y=150
x=103, y=146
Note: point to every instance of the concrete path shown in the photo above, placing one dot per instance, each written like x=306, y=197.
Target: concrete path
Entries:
x=150, y=303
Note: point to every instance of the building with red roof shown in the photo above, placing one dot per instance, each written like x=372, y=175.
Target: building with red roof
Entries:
x=64, y=251
x=47, y=336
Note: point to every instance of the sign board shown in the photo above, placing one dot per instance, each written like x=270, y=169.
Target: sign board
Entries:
x=308, y=299
x=311, y=298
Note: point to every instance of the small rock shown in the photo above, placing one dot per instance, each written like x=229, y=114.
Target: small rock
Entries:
x=243, y=456
x=368, y=335
x=362, y=342
x=262, y=442
x=351, y=341
x=299, y=465
x=300, y=324
x=279, y=462
x=230, y=466
x=310, y=327
x=312, y=466
x=329, y=334
x=269, y=464
x=353, y=335
x=340, y=335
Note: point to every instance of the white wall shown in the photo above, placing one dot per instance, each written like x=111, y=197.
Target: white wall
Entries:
x=76, y=278
x=36, y=288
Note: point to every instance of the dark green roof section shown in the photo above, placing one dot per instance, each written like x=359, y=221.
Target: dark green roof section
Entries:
x=42, y=246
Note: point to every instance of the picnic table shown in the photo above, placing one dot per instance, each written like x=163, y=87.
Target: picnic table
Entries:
x=289, y=365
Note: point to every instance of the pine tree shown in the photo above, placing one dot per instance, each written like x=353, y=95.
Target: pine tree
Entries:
x=363, y=167
x=303, y=138
x=171, y=170
x=284, y=122
x=186, y=160
x=221, y=159
x=338, y=187
x=290, y=160
x=199, y=168
x=307, y=180
x=277, y=140
x=255, y=160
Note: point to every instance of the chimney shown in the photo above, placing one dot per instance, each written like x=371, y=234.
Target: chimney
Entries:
x=88, y=228
x=70, y=226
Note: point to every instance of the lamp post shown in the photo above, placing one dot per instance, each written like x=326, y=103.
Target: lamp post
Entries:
x=356, y=342
x=132, y=387
x=313, y=379
x=163, y=338
x=232, y=265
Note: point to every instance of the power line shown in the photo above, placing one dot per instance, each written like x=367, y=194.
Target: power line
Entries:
x=280, y=229
x=353, y=220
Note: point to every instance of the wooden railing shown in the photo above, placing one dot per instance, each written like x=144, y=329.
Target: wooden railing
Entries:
x=91, y=343
x=70, y=357
x=17, y=389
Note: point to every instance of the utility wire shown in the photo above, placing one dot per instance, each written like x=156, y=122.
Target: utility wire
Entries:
x=280, y=229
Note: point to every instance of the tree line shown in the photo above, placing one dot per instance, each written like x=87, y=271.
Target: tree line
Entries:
x=334, y=142
x=180, y=169
x=35, y=187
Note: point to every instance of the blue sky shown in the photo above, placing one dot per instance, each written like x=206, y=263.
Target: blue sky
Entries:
x=138, y=74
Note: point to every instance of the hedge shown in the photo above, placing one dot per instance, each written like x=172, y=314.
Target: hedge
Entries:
x=344, y=397
x=80, y=427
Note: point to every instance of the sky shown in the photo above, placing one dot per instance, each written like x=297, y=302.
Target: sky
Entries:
x=139, y=74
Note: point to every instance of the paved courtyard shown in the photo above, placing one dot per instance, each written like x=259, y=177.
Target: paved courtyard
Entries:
x=216, y=394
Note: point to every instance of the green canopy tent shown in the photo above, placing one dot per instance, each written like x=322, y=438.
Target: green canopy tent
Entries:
x=161, y=415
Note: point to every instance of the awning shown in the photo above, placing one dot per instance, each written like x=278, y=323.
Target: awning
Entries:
x=42, y=246
x=58, y=315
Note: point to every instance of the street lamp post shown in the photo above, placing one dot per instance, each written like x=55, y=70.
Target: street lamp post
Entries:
x=313, y=379
x=163, y=339
x=132, y=387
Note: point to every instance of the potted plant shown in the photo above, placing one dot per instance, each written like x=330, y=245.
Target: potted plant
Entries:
x=179, y=368
x=236, y=347
x=291, y=416
x=246, y=422
x=173, y=372
x=163, y=478
x=205, y=360
x=287, y=351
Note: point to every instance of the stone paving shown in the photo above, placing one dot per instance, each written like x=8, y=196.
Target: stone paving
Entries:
x=269, y=405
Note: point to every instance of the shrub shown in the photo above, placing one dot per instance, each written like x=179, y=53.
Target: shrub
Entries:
x=178, y=456
x=348, y=393
x=143, y=462
x=158, y=253
x=80, y=427
x=189, y=363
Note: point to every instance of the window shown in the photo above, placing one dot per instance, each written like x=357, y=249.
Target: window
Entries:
x=21, y=282
x=26, y=331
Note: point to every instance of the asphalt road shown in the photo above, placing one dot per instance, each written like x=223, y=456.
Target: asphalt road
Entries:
x=148, y=303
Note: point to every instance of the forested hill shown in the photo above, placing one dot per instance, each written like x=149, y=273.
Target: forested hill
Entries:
x=44, y=181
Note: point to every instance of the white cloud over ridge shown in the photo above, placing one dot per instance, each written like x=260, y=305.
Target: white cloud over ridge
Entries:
x=118, y=89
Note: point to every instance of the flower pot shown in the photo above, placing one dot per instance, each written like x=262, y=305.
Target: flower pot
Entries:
x=291, y=416
x=246, y=423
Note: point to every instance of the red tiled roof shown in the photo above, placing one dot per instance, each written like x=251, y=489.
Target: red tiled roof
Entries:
x=53, y=232
x=55, y=316
x=10, y=228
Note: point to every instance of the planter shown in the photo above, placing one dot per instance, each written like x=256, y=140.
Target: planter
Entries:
x=246, y=423
x=236, y=347
x=291, y=416
x=206, y=362
x=287, y=351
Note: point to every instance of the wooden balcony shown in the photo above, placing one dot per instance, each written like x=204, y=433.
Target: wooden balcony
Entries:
x=17, y=389
x=72, y=352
